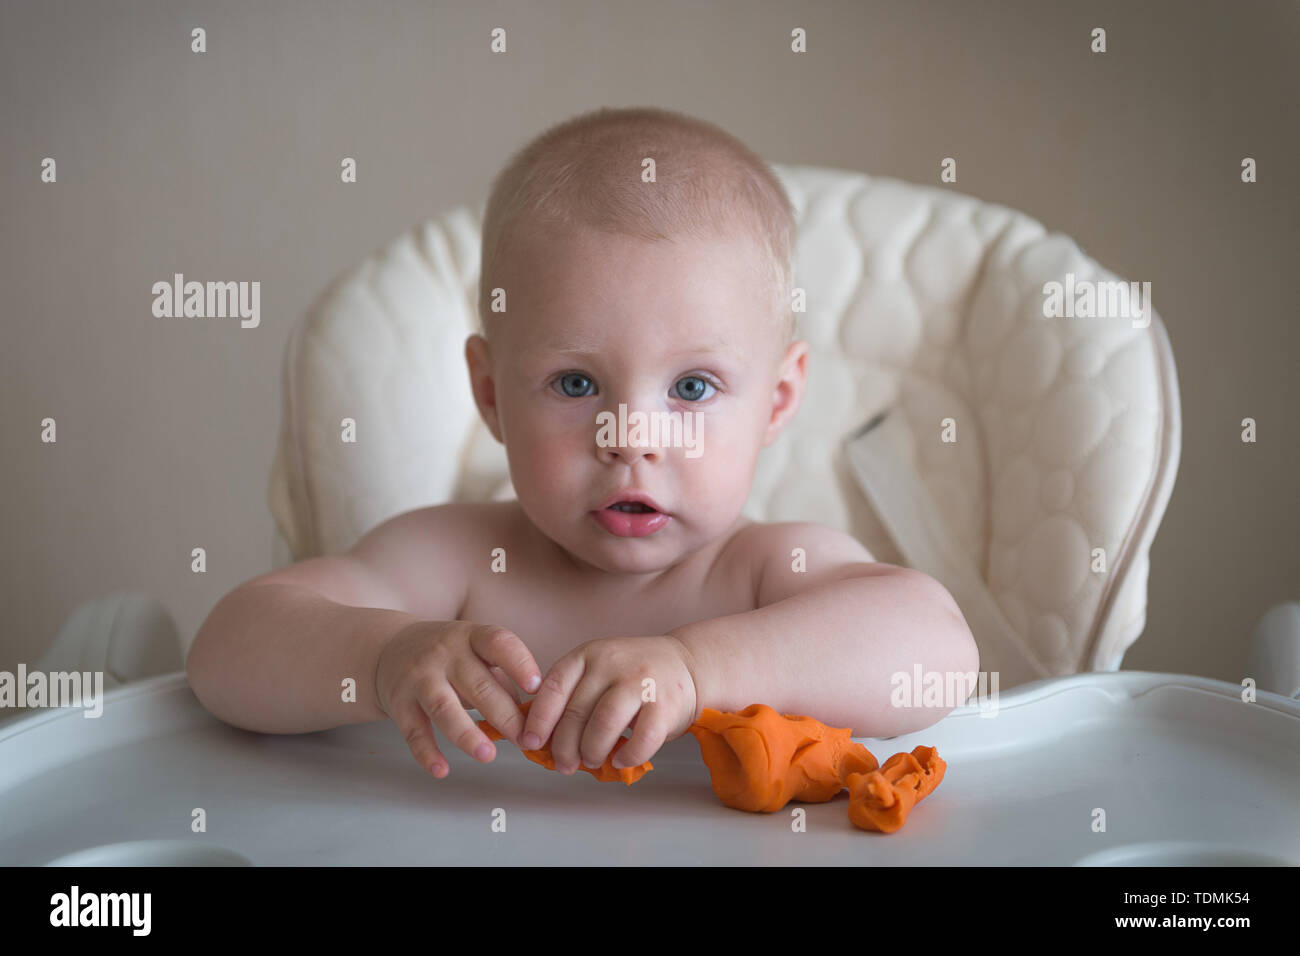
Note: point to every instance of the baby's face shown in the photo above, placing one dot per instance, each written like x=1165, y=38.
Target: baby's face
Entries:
x=595, y=321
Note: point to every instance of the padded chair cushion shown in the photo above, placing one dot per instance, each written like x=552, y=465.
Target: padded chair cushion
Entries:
x=921, y=301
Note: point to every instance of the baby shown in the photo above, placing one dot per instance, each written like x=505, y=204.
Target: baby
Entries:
x=635, y=262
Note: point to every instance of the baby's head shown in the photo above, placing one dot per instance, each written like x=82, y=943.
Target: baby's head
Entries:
x=669, y=296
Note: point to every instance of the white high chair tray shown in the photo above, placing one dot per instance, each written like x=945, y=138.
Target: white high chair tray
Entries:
x=1186, y=772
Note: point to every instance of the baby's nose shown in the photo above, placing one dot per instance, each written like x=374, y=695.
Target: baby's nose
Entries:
x=626, y=435
x=630, y=455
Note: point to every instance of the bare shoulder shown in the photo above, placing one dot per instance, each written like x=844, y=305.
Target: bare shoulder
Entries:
x=428, y=555
x=792, y=556
x=442, y=528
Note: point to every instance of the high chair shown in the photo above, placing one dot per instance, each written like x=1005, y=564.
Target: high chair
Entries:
x=1024, y=462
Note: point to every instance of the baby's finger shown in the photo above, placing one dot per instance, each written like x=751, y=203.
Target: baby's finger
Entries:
x=486, y=693
x=605, y=726
x=506, y=683
x=503, y=680
x=650, y=729
x=502, y=647
x=548, y=706
x=566, y=738
x=442, y=705
x=413, y=722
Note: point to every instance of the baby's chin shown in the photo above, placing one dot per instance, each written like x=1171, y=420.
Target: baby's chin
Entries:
x=592, y=546
x=615, y=555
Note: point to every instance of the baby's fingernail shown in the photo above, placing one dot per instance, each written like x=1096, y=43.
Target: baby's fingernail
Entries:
x=484, y=751
x=534, y=682
x=531, y=742
x=617, y=762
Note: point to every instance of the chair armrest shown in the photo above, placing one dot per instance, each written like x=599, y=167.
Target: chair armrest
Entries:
x=1274, y=660
x=126, y=636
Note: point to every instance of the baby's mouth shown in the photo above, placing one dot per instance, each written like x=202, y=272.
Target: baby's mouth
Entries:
x=630, y=519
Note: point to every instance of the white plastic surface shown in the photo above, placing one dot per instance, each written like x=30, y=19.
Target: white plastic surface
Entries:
x=1185, y=771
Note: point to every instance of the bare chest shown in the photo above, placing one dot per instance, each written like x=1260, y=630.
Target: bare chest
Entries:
x=552, y=615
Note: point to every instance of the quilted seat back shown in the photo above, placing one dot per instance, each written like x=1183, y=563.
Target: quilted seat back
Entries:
x=921, y=303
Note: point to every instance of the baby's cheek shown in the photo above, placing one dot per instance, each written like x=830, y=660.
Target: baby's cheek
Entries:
x=725, y=447
x=542, y=460
x=717, y=478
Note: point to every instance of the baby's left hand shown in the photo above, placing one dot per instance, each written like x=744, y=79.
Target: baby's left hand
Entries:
x=593, y=692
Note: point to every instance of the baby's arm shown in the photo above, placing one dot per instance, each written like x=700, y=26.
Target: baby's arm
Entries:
x=827, y=640
x=274, y=652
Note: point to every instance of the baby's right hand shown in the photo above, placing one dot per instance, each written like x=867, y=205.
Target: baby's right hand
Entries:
x=432, y=670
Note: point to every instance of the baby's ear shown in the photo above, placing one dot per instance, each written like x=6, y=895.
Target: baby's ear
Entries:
x=478, y=357
x=788, y=392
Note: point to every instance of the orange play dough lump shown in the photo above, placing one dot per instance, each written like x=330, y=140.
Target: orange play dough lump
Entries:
x=606, y=773
x=882, y=799
x=760, y=760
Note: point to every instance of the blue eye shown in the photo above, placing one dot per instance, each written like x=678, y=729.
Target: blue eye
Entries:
x=574, y=384
x=694, y=388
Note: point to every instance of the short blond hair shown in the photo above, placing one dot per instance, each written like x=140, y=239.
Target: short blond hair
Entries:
x=586, y=172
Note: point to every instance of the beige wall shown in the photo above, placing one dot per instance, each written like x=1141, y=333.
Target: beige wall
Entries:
x=224, y=166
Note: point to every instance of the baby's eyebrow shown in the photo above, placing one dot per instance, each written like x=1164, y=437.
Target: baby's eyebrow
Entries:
x=583, y=350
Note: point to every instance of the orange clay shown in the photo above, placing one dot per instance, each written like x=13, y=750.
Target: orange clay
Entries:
x=606, y=773
x=760, y=760
x=882, y=799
